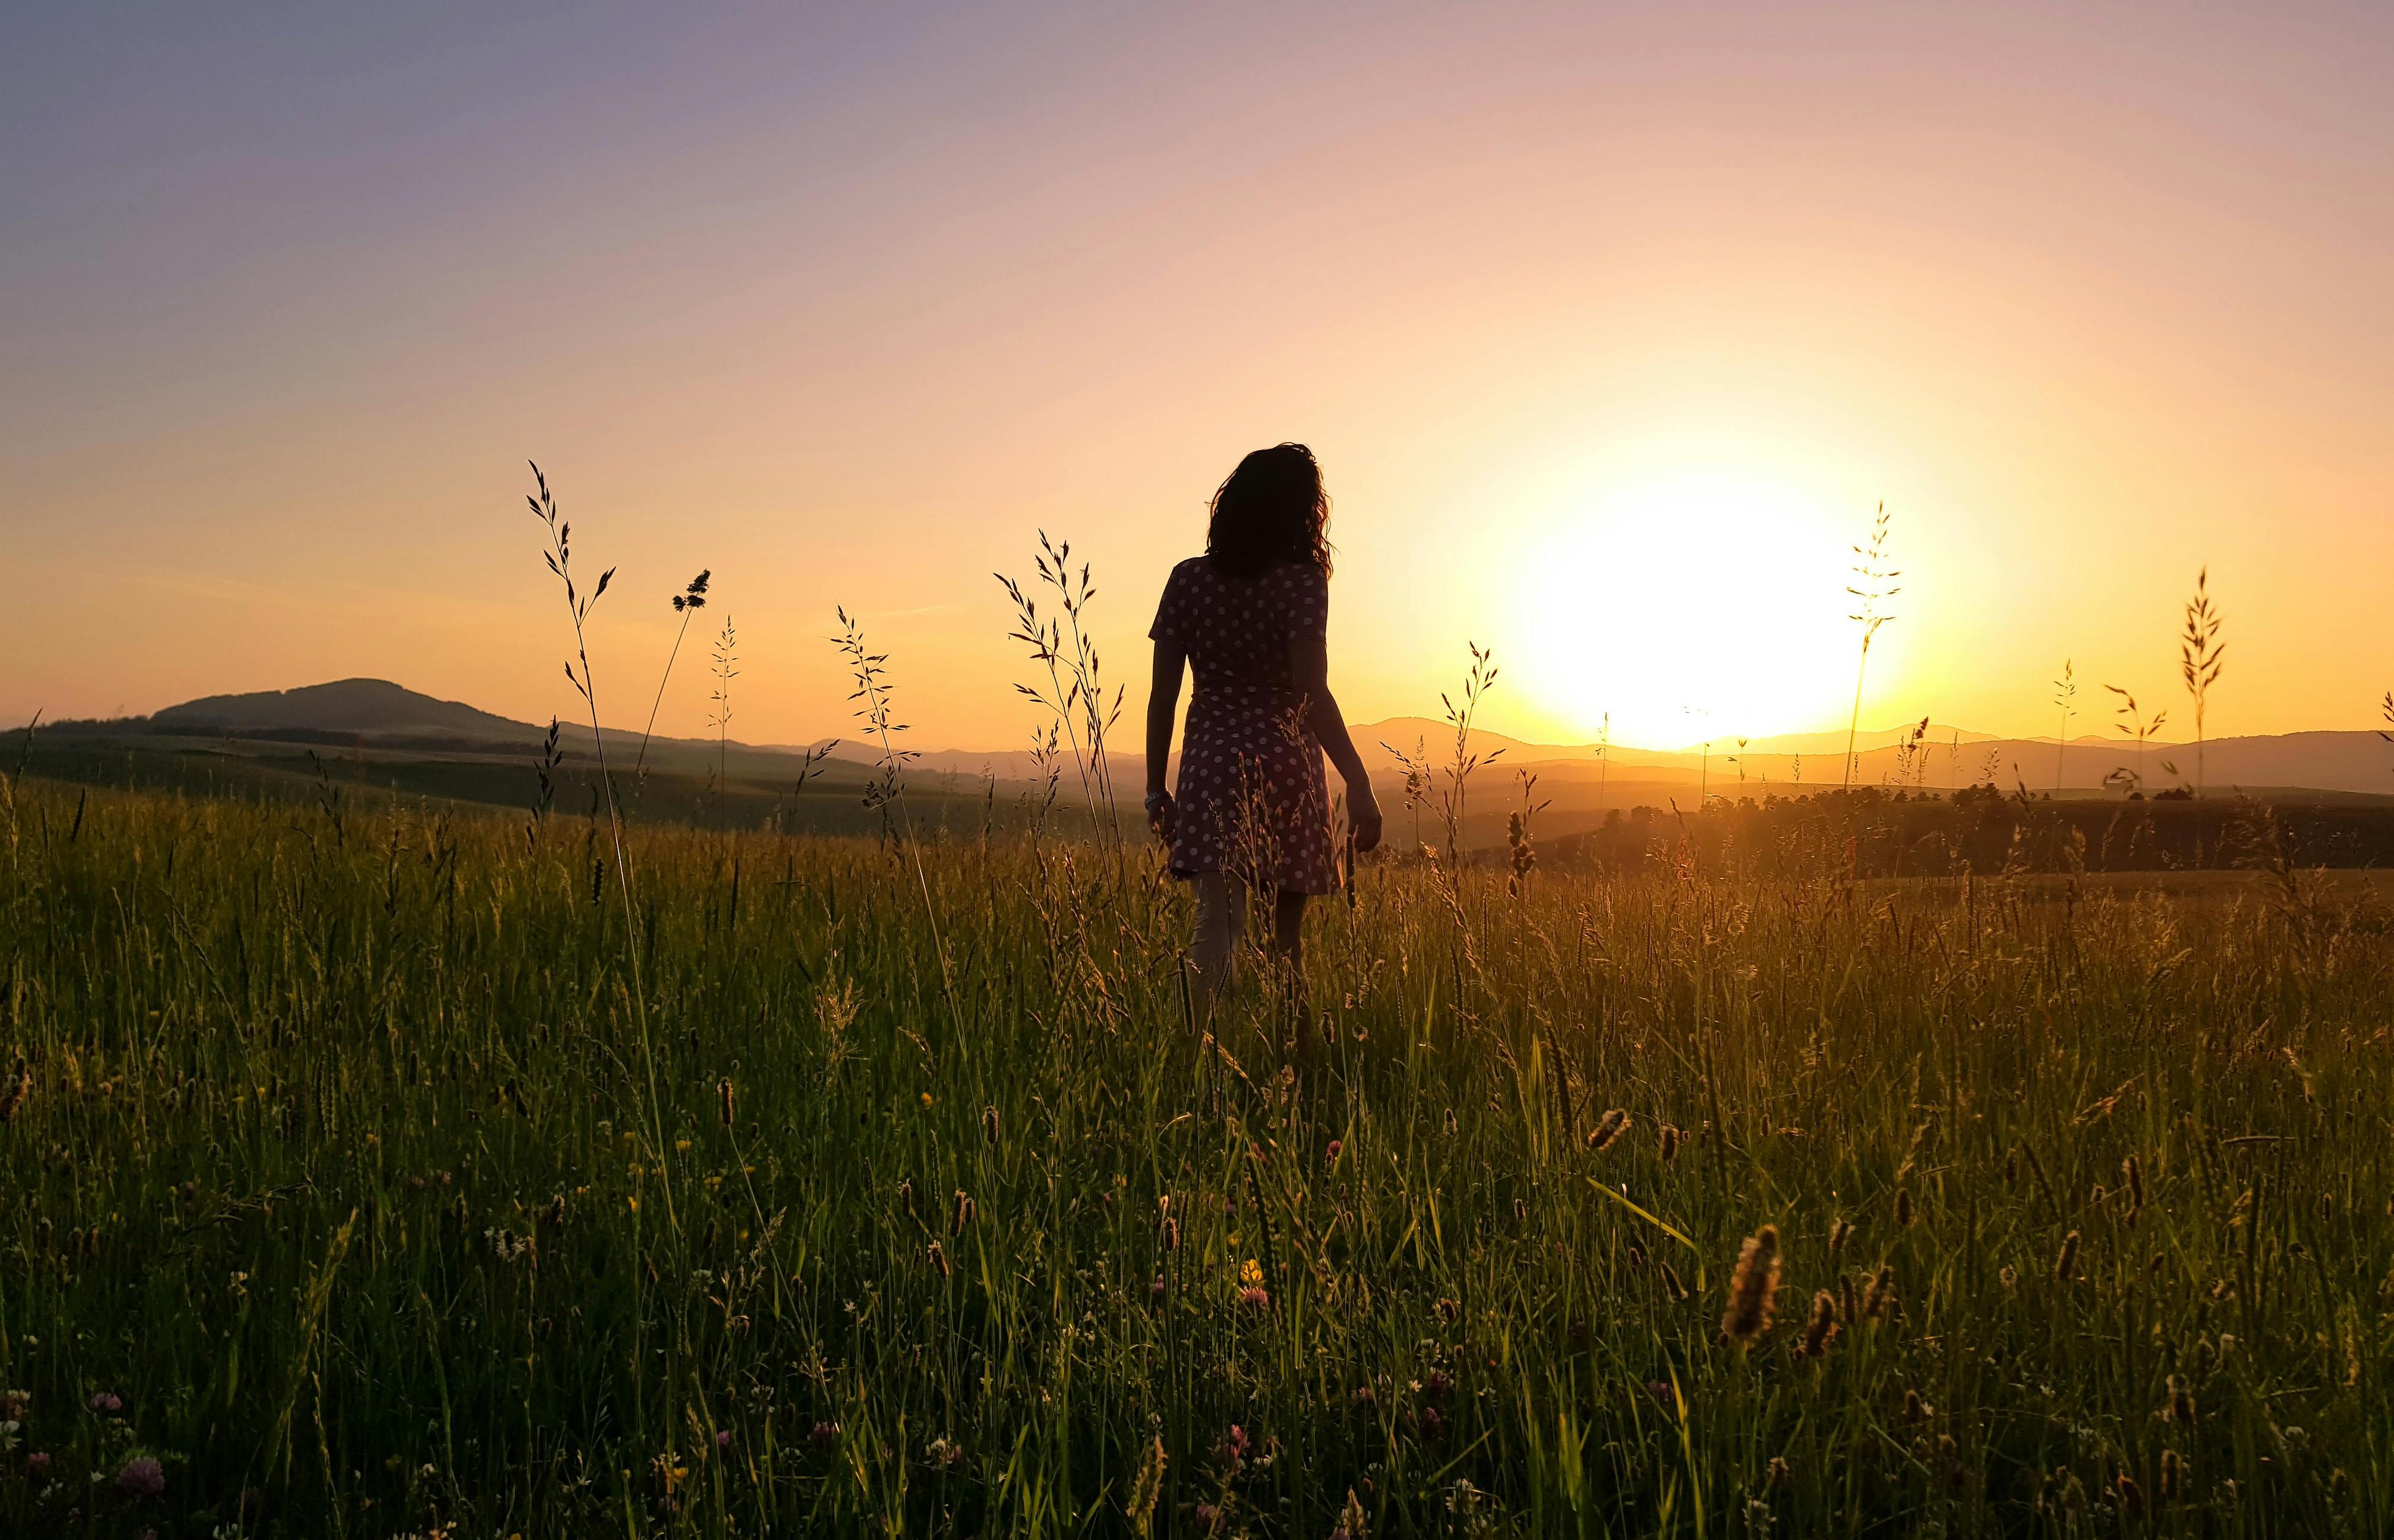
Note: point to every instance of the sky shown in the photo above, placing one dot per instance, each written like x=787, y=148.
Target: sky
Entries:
x=1612, y=326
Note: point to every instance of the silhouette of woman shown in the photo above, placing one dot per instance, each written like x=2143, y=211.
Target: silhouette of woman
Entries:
x=1248, y=619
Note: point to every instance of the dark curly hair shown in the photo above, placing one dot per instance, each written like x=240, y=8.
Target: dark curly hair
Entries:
x=1271, y=510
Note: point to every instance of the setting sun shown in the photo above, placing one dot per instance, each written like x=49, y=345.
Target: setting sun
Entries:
x=1689, y=606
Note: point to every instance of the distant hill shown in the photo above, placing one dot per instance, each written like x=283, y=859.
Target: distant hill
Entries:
x=368, y=707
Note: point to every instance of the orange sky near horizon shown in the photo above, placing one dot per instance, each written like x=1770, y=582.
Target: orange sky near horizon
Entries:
x=1612, y=327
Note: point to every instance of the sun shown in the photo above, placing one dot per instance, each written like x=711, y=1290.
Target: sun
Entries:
x=1694, y=605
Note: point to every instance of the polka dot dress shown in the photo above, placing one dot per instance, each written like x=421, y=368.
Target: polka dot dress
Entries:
x=1252, y=799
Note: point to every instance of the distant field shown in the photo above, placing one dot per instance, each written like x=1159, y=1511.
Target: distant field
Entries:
x=365, y=778
x=370, y=1177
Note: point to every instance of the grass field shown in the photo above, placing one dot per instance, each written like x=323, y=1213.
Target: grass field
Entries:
x=369, y=1178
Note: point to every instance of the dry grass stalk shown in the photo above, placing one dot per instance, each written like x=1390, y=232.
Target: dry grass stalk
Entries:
x=2199, y=650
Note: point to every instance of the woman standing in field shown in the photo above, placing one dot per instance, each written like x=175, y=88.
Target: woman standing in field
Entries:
x=1248, y=618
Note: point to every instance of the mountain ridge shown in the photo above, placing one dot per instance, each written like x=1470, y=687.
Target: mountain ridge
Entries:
x=375, y=710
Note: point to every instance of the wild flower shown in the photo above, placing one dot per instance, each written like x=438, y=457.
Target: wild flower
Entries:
x=945, y=1453
x=1753, y=1288
x=106, y=1404
x=1350, y=1525
x=823, y=1435
x=142, y=1477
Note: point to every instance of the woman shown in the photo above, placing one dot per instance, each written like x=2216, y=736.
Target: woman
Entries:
x=1248, y=618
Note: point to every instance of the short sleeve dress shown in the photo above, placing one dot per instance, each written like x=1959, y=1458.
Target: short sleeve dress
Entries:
x=1252, y=799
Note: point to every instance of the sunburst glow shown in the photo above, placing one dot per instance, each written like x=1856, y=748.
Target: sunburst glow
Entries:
x=1694, y=605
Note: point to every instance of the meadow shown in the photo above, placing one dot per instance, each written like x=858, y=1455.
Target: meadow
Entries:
x=369, y=1176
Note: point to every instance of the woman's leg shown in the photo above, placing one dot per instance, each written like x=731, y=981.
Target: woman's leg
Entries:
x=1214, y=952
x=1288, y=928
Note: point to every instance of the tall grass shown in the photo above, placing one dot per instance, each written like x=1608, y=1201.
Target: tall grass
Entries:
x=1873, y=584
x=332, y=1193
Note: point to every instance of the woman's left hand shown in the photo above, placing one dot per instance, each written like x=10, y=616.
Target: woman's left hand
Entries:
x=1161, y=814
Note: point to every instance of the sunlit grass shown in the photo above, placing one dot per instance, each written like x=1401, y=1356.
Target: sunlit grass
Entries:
x=335, y=1174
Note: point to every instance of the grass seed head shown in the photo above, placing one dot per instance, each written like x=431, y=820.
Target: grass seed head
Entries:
x=1609, y=1127
x=1878, y=1300
x=1839, y=1233
x=1821, y=1329
x=16, y=1089
x=1753, y=1288
x=2065, y=1266
x=1904, y=1206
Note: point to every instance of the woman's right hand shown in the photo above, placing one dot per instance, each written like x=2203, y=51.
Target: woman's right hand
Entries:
x=1160, y=815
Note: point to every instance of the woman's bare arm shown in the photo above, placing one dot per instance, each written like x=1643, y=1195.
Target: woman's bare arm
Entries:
x=1309, y=663
x=1163, y=707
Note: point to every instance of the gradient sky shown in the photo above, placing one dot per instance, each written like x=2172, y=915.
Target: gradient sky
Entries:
x=1611, y=323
